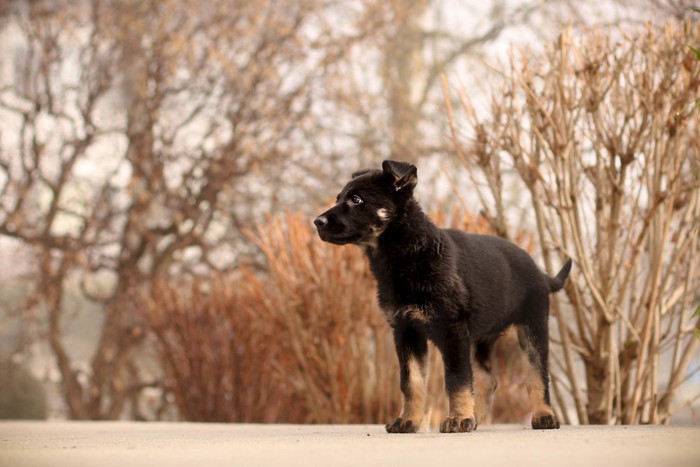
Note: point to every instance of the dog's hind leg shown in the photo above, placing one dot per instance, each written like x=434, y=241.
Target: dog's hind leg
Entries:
x=534, y=340
x=485, y=382
x=412, y=351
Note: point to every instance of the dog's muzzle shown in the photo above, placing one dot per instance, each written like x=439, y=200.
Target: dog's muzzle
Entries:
x=329, y=230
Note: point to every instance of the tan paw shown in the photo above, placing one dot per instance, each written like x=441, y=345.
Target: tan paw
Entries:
x=457, y=425
x=402, y=425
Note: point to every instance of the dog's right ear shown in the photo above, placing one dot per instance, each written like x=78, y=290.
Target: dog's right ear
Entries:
x=403, y=174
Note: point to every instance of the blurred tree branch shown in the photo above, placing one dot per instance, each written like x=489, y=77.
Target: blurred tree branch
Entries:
x=143, y=130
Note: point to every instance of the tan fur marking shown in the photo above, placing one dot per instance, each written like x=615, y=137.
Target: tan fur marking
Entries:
x=462, y=404
x=535, y=386
x=535, y=389
x=414, y=405
x=413, y=313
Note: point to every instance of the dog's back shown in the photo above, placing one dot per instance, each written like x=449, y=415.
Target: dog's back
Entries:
x=499, y=277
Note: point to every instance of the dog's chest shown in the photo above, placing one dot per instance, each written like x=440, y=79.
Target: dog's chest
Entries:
x=419, y=290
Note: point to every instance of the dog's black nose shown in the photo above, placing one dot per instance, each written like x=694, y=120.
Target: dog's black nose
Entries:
x=320, y=221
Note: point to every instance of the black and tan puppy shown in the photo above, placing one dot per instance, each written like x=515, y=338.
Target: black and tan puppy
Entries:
x=459, y=290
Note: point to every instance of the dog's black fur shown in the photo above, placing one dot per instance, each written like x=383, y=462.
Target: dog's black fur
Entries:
x=459, y=290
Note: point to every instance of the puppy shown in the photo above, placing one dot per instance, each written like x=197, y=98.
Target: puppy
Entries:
x=459, y=290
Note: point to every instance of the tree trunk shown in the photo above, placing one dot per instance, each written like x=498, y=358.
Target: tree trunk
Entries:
x=403, y=61
x=600, y=379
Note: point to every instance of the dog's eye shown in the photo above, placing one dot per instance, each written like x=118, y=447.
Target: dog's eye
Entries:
x=354, y=199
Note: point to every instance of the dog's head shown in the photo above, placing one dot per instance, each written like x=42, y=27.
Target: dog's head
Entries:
x=367, y=204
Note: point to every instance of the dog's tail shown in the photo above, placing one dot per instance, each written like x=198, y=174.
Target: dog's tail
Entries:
x=557, y=282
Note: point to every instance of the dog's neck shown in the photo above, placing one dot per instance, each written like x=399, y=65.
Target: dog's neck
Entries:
x=408, y=228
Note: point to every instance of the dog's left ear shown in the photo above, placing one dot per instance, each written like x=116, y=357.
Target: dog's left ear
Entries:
x=403, y=174
x=360, y=172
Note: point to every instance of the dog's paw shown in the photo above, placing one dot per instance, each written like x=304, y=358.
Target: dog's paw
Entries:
x=544, y=421
x=457, y=425
x=402, y=425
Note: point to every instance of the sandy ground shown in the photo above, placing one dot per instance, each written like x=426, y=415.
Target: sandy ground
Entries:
x=107, y=444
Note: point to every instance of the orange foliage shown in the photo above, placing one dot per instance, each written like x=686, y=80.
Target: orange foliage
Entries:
x=305, y=341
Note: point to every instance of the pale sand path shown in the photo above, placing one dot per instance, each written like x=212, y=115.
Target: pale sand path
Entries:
x=120, y=444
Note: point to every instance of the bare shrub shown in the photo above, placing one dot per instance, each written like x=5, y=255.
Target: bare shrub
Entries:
x=318, y=303
x=602, y=131
x=217, y=363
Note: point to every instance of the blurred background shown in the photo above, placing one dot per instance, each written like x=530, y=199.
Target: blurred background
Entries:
x=161, y=161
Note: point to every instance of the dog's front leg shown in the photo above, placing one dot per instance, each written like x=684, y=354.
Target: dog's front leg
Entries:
x=412, y=350
x=458, y=382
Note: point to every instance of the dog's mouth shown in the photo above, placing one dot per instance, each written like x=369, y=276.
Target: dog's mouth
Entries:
x=338, y=238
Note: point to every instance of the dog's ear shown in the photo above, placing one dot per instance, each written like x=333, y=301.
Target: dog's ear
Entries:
x=360, y=172
x=403, y=174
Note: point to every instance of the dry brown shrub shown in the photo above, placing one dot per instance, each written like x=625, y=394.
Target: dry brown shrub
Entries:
x=216, y=362
x=318, y=302
x=305, y=341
